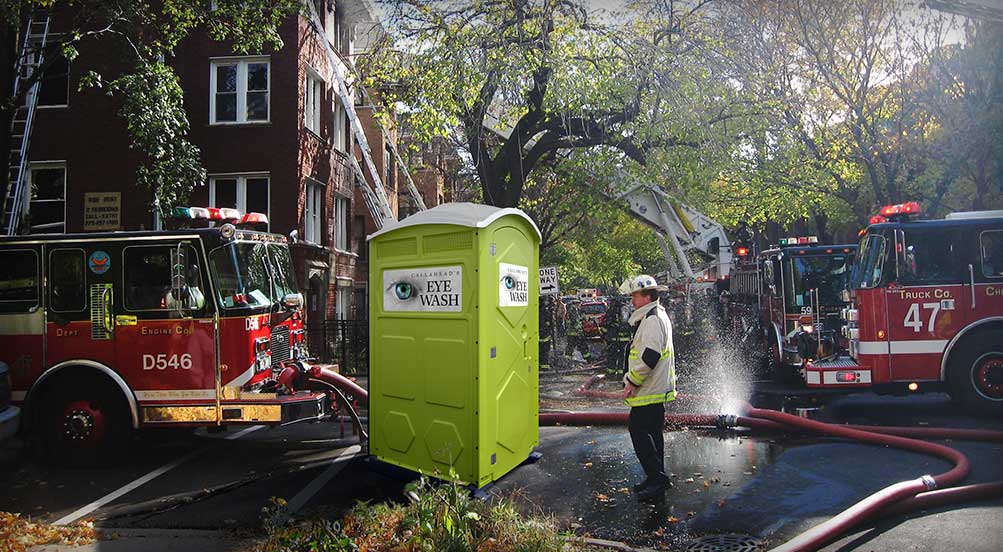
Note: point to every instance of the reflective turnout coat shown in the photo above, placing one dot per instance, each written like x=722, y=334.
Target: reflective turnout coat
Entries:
x=651, y=363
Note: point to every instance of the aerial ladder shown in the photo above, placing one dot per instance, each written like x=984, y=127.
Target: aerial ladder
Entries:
x=696, y=247
x=375, y=196
x=30, y=59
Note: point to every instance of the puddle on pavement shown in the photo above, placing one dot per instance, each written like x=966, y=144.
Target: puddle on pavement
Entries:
x=586, y=474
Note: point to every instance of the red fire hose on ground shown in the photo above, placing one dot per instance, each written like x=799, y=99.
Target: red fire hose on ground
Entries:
x=906, y=496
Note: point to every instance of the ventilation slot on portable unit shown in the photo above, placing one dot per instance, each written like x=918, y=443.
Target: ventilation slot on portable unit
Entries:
x=452, y=241
x=397, y=248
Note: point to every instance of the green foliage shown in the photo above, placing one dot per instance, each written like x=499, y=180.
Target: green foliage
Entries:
x=437, y=518
x=144, y=34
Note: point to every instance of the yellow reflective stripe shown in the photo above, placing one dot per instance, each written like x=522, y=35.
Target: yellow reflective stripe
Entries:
x=633, y=354
x=645, y=400
x=666, y=354
x=635, y=378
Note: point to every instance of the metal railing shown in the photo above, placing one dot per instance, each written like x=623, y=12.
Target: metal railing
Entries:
x=345, y=342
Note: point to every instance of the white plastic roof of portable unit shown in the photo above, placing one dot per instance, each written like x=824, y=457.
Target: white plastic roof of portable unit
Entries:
x=472, y=215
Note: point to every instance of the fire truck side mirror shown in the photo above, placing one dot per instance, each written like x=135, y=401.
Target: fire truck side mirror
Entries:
x=292, y=301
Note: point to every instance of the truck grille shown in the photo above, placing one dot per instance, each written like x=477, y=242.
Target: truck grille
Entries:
x=280, y=344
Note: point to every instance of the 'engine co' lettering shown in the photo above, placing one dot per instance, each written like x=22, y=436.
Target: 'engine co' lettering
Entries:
x=164, y=361
x=994, y=291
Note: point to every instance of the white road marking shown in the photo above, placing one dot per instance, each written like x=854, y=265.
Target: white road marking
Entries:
x=337, y=464
x=135, y=484
x=243, y=432
x=129, y=487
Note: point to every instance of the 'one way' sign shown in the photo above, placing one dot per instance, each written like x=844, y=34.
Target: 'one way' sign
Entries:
x=548, y=281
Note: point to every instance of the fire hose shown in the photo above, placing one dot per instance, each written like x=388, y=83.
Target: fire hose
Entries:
x=906, y=496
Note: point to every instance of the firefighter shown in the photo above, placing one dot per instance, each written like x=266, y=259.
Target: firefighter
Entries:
x=546, y=330
x=650, y=382
x=574, y=330
x=618, y=335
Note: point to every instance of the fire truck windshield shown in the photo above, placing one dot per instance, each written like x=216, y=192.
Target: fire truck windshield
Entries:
x=870, y=262
x=252, y=275
x=829, y=274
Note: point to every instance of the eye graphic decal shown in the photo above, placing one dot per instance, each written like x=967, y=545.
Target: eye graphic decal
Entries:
x=509, y=282
x=403, y=290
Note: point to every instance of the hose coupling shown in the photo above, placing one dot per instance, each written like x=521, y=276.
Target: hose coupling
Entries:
x=929, y=481
x=727, y=421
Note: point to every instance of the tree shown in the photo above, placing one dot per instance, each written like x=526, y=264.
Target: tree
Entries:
x=144, y=33
x=549, y=76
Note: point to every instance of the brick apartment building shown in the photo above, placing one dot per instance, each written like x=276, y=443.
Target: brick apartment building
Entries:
x=274, y=139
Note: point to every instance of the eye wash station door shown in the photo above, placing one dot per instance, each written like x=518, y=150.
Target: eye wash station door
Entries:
x=454, y=332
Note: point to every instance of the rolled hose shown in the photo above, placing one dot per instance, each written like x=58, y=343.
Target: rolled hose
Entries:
x=906, y=496
x=898, y=498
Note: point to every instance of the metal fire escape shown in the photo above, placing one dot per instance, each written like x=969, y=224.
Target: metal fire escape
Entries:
x=29, y=60
x=375, y=197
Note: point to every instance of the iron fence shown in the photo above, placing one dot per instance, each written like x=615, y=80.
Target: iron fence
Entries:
x=345, y=342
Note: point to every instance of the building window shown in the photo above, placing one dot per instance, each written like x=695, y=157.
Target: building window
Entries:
x=340, y=119
x=245, y=193
x=311, y=105
x=314, y=212
x=389, y=164
x=343, y=299
x=47, y=208
x=54, y=90
x=239, y=91
x=341, y=223
x=359, y=233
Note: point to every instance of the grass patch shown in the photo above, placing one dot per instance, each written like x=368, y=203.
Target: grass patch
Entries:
x=437, y=518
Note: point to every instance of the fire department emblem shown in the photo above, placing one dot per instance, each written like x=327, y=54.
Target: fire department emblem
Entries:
x=99, y=262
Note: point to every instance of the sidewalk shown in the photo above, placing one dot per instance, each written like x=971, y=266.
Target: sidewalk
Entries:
x=157, y=540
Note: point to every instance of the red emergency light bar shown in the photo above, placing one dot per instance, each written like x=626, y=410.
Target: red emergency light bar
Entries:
x=225, y=214
x=254, y=218
x=878, y=219
x=742, y=251
x=910, y=208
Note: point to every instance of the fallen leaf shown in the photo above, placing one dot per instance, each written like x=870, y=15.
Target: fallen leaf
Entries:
x=623, y=490
x=660, y=532
x=588, y=465
x=691, y=514
x=672, y=519
x=706, y=484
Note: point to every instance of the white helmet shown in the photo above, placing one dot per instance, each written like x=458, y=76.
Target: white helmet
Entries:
x=640, y=283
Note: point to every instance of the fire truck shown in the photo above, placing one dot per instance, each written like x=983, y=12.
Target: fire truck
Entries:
x=927, y=309
x=106, y=333
x=786, y=303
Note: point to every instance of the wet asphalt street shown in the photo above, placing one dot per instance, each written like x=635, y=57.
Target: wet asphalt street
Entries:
x=763, y=488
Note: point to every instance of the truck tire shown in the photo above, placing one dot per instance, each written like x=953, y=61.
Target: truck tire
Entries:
x=84, y=424
x=976, y=373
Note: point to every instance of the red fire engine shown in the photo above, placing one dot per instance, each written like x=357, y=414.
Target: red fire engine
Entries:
x=927, y=310
x=786, y=303
x=109, y=332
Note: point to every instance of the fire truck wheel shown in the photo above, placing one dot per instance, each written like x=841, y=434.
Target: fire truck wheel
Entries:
x=85, y=424
x=977, y=373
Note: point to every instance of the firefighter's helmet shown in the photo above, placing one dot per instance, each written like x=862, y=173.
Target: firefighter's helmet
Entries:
x=641, y=283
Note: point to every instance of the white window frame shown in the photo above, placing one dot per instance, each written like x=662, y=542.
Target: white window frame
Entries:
x=42, y=165
x=339, y=216
x=241, y=63
x=313, y=92
x=343, y=295
x=313, y=212
x=53, y=39
x=340, y=118
x=241, y=179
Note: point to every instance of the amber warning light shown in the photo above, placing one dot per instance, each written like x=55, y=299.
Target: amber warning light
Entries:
x=742, y=251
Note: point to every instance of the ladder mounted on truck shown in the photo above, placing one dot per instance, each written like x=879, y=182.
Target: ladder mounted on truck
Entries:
x=375, y=196
x=26, y=81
